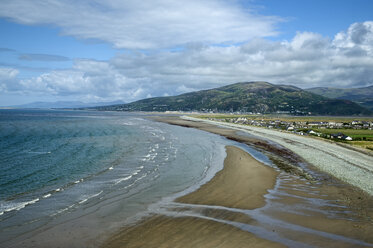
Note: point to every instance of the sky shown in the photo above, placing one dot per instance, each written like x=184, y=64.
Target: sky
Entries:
x=90, y=50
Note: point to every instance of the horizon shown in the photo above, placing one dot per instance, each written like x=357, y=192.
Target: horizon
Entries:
x=103, y=52
x=107, y=103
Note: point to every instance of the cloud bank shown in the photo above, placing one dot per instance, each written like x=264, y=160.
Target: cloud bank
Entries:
x=147, y=24
x=188, y=46
x=308, y=60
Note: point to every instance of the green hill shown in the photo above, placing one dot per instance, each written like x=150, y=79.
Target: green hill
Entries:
x=362, y=96
x=255, y=97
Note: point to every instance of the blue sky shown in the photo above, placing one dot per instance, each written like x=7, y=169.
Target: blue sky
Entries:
x=31, y=40
x=129, y=50
x=326, y=17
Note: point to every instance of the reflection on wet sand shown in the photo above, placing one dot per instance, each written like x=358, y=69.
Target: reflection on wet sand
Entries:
x=249, y=204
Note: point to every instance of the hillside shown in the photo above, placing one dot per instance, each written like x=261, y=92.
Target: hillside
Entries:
x=362, y=96
x=255, y=97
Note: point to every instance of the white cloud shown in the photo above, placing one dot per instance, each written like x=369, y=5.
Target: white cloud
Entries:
x=8, y=73
x=146, y=24
x=8, y=79
x=308, y=60
x=358, y=34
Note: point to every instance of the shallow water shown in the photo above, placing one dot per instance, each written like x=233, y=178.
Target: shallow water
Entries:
x=57, y=167
x=114, y=168
x=297, y=213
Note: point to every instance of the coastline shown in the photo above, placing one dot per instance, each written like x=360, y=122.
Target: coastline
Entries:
x=154, y=165
x=343, y=163
x=289, y=207
x=242, y=184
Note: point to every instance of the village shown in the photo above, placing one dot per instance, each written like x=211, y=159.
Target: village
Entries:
x=303, y=127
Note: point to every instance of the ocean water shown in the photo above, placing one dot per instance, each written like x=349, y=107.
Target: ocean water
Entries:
x=60, y=166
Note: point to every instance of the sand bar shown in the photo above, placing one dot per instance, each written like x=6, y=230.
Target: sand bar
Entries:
x=242, y=184
x=185, y=232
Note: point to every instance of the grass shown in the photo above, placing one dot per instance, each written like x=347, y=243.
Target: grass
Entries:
x=289, y=118
x=353, y=133
x=361, y=137
x=363, y=144
x=223, y=116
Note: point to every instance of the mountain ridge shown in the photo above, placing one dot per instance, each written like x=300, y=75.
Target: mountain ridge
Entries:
x=362, y=96
x=254, y=97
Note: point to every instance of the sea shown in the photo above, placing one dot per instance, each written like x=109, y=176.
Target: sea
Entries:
x=91, y=172
x=75, y=178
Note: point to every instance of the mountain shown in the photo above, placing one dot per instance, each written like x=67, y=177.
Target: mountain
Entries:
x=362, y=96
x=256, y=97
x=66, y=104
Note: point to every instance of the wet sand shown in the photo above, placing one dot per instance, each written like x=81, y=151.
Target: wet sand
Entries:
x=242, y=184
x=186, y=232
x=249, y=204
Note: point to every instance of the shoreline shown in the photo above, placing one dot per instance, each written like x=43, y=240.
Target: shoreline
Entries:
x=241, y=184
x=345, y=164
x=282, y=157
x=296, y=210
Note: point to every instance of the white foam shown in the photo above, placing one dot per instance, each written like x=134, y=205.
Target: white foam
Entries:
x=63, y=210
x=138, y=179
x=128, y=123
x=47, y=195
x=90, y=197
x=38, y=152
x=122, y=179
x=13, y=206
x=78, y=181
x=150, y=156
x=83, y=201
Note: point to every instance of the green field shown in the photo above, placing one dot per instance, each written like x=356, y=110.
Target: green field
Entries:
x=288, y=118
x=363, y=144
x=361, y=137
x=353, y=133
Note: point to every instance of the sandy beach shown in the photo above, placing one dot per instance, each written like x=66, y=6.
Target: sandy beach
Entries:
x=249, y=204
x=347, y=164
x=241, y=184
